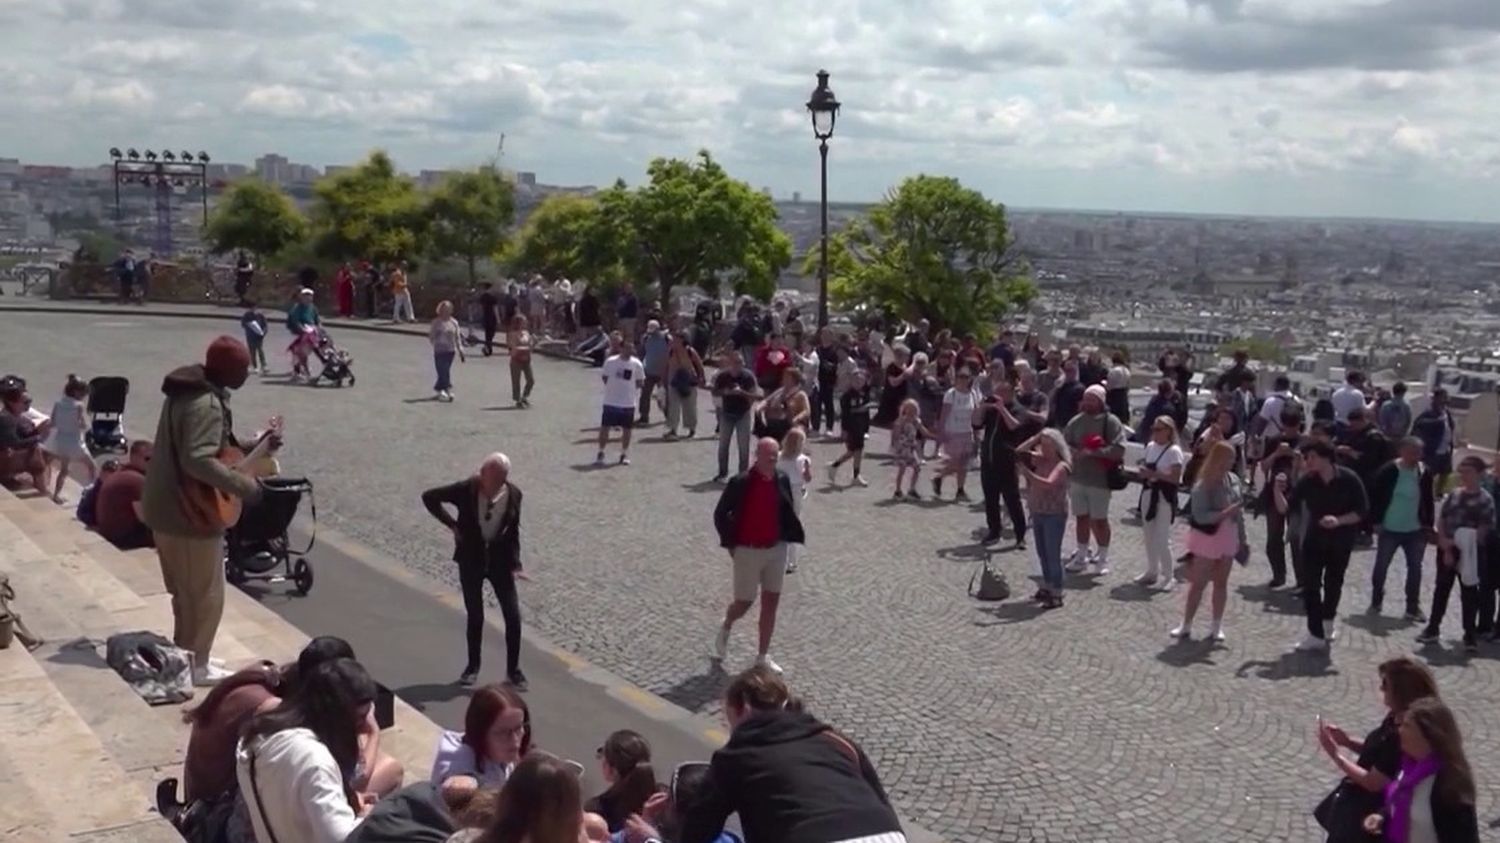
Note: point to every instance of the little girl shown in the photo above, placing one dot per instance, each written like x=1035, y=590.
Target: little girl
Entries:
x=797, y=467
x=906, y=447
x=65, y=444
x=854, y=409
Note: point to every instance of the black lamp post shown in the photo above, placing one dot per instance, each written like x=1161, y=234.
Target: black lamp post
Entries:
x=824, y=108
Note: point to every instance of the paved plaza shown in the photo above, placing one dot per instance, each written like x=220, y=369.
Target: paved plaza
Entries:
x=987, y=722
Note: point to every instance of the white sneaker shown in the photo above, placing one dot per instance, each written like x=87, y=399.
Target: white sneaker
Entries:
x=1330, y=632
x=210, y=675
x=1101, y=565
x=833, y=474
x=1146, y=579
x=860, y=481
x=721, y=644
x=764, y=660
x=1312, y=644
x=1182, y=631
x=1078, y=562
x=1216, y=632
x=1169, y=585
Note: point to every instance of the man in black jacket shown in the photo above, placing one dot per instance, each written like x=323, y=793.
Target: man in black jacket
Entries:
x=1402, y=516
x=756, y=519
x=1335, y=505
x=1004, y=423
x=486, y=527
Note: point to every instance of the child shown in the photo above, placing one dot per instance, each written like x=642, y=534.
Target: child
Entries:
x=854, y=409
x=65, y=443
x=955, y=423
x=906, y=446
x=254, y=323
x=797, y=467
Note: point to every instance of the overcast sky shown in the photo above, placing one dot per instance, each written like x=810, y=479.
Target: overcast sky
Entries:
x=1315, y=107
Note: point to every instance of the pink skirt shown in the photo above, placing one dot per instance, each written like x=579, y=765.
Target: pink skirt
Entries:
x=1222, y=543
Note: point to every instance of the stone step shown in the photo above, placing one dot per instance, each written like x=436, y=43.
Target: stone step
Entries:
x=59, y=781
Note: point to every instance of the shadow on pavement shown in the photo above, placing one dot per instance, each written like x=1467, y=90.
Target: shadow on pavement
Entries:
x=501, y=408
x=422, y=696
x=1379, y=626
x=1013, y=611
x=698, y=693
x=1188, y=652
x=964, y=553
x=704, y=487
x=1289, y=666
x=1131, y=593
x=1277, y=602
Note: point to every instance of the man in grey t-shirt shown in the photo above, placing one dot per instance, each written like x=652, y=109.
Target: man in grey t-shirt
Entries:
x=1097, y=440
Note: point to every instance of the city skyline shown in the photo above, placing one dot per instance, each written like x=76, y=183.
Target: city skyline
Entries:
x=1344, y=108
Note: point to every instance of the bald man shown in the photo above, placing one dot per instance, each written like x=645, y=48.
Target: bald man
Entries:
x=757, y=519
x=486, y=527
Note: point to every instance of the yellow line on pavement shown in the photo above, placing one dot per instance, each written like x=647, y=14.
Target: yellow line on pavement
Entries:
x=641, y=699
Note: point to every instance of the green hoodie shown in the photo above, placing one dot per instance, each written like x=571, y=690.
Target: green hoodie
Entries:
x=195, y=425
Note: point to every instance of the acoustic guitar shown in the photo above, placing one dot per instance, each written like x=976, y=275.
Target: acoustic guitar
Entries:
x=212, y=509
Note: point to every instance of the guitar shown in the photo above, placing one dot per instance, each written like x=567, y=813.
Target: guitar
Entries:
x=211, y=508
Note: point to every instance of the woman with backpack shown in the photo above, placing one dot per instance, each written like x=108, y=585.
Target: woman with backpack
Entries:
x=684, y=374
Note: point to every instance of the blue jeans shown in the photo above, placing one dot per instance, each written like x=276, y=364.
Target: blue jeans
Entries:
x=1413, y=545
x=443, y=360
x=1049, y=529
x=737, y=429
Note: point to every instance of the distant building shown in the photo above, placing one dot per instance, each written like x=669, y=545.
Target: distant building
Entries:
x=273, y=168
x=1240, y=285
x=432, y=178
x=42, y=172
x=526, y=179
x=226, y=172
x=796, y=197
x=1142, y=342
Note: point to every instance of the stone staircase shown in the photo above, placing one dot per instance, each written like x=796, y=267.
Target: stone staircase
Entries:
x=80, y=752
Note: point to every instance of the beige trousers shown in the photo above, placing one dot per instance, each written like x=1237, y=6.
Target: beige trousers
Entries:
x=192, y=569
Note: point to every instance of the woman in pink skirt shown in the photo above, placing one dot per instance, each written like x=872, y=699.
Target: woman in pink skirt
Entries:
x=1213, y=538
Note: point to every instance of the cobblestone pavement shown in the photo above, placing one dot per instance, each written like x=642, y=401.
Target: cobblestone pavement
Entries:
x=988, y=722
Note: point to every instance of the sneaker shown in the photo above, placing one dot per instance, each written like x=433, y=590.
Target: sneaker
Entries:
x=1330, y=632
x=721, y=644
x=599, y=460
x=1146, y=580
x=468, y=678
x=210, y=675
x=1415, y=614
x=516, y=679
x=961, y=495
x=898, y=495
x=764, y=660
x=791, y=567
x=1275, y=583
x=833, y=474
x=1373, y=609
x=1078, y=562
x=1168, y=585
x=860, y=481
x=1311, y=644
x=990, y=538
x=624, y=459
x=1101, y=565
x=719, y=478
x=1471, y=644
x=912, y=494
x=691, y=434
x=669, y=436
x=1427, y=636
x=1216, y=632
x=1181, y=631
x=1052, y=601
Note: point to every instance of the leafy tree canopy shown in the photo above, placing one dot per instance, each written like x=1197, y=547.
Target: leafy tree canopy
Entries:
x=565, y=237
x=468, y=215
x=370, y=211
x=932, y=249
x=692, y=224
x=256, y=217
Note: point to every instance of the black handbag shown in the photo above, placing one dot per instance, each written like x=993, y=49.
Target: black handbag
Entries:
x=1342, y=813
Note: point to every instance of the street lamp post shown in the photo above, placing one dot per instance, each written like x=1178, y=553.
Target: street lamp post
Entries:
x=823, y=106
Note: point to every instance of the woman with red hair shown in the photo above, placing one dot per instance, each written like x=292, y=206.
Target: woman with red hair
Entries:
x=496, y=736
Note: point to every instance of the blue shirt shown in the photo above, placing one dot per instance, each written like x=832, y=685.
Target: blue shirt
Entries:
x=1401, y=515
x=654, y=349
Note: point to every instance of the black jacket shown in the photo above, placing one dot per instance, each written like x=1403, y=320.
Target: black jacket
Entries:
x=1383, y=485
x=503, y=555
x=791, y=779
x=1454, y=821
x=726, y=514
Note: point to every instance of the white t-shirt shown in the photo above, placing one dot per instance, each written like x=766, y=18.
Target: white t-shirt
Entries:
x=1118, y=377
x=623, y=377
x=300, y=786
x=1165, y=456
x=793, y=467
x=960, y=407
x=1271, y=410
x=1346, y=399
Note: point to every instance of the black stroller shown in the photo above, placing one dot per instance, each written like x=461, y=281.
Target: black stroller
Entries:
x=106, y=409
x=336, y=362
x=257, y=546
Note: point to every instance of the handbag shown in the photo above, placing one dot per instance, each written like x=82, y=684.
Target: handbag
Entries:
x=683, y=380
x=991, y=583
x=1342, y=813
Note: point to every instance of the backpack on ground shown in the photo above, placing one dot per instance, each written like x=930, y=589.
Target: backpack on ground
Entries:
x=991, y=583
x=158, y=670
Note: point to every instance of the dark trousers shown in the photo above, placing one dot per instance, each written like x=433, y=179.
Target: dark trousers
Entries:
x=647, y=387
x=997, y=476
x=1468, y=600
x=504, y=584
x=257, y=346
x=824, y=408
x=1489, y=589
x=1117, y=401
x=517, y=370
x=490, y=327
x=1325, y=558
x=1276, y=546
x=1412, y=545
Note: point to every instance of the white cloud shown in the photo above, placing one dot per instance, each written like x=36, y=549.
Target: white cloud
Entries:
x=1047, y=97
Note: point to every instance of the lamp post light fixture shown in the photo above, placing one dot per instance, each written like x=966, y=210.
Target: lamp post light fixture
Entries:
x=823, y=106
x=164, y=173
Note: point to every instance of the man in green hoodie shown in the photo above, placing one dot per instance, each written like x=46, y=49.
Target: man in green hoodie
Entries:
x=195, y=426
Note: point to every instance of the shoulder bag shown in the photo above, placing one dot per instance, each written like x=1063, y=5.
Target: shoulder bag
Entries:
x=1114, y=474
x=991, y=582
x=260, y=807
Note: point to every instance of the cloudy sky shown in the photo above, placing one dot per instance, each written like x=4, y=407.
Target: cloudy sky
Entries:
x=1315, y=107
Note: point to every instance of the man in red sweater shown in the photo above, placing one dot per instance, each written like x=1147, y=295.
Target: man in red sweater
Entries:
x=756, y=518
x=117, y=504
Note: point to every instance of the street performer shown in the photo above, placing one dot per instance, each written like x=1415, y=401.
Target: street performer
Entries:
x=486, y=525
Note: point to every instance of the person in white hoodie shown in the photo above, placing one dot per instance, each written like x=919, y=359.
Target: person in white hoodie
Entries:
x=296, y=763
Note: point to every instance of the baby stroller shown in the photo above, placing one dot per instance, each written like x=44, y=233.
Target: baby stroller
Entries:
x=257, y=545
x=335, y=360
x=106, y=409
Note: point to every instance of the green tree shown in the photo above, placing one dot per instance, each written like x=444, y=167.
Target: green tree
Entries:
x=1259, y=348
x=370, y=211
x=468, y=216
x=256, y=217
x=566, y=237
x=932, y=249
x=693, y=224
